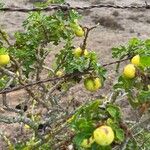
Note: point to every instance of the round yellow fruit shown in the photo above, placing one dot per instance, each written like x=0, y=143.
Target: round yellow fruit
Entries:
x=92, y=84
x=86, y=143
x=79, y=31
x=129, y=71
x=136, y=60
x=89, y=84
x=77, y=52
x=26, y=126
x=97, y=83
x=4, y=59
x=86, y=53
x=104, y=135
x=59, y=73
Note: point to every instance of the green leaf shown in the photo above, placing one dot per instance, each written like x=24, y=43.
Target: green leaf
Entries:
x=114, y=111
x=120, y=134
x=145, y=61
x=125, y=83
x=144, y=96
x=3, y=51
x=134, y=42
x=80, y=137
x=132, y=145
x=98, y=147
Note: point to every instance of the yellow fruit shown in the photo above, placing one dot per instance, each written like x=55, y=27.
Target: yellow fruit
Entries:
x=92, y=84
x=104, y=135
x=77, y=52
x=97, y=83
x=89, y=84
x=59, y=73
x=86, y=53
x=129, y=71
x=136, y=60
x=26, y=126
x=86, y=143
x=79, y=31
x=4, y=59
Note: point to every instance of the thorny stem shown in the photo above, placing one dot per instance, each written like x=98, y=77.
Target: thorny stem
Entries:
x=4, y=37
x=83, y=47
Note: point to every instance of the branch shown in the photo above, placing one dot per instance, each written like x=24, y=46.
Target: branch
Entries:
x=115, y=62
x=55, y=78
x=7, y=72
x=11, y=120
x=42, y=81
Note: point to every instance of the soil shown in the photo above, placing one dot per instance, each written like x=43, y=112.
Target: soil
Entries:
x=116, y=27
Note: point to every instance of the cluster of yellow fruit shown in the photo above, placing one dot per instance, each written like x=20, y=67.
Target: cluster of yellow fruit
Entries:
x=78, y=52
x=130, y=70
x=4, y=59
x=92, y=84
x=103, y=135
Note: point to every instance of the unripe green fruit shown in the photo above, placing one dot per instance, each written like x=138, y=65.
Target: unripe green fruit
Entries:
x=104, y=135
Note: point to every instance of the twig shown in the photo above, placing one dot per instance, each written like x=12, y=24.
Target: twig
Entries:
x=86, y=36
x=10, y=120
x=4, y=37
x=7, y=72
x=115, y=62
